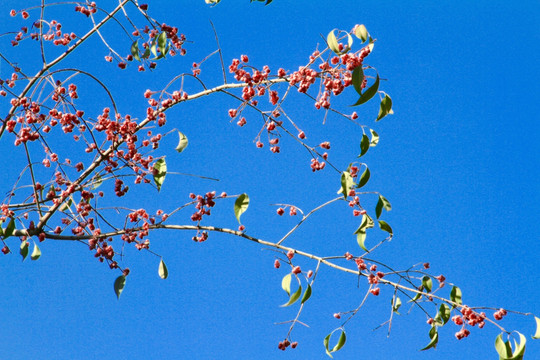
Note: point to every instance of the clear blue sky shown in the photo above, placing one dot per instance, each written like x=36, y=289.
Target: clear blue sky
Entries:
x=458, y=160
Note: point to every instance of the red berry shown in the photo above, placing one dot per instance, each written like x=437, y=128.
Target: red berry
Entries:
x=337, y=316
x=375, y=291
x=277, y=264
x=280, y=211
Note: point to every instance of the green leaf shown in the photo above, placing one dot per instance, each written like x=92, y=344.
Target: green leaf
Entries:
x=397, y=305
x=333, y=45
x=434, y=336
x=537, y=333
x=364, y=178
x=374, y=138
x=347, y=183
x=369, y=93
x=349, y=44
x=240, y=205
x=153, y=47
x=162, y=43
x=135, y=50
x=519, y=350
x=341, y=341
x=160, y=171
x=119, y=284
x=415, y=298
x=294, y=297
x=36, y=253
x=1, y=229
x=286, y=283
x=307, y=294
x=24, y=249
x=332, y=42
x=427, y=283
x=357, y=79
x=162, y=270
x=361, y=33
x=503, y=348
x=444, y=311
x=66, y=205
x=367, y=223
x=146, y=53
x=96, y=182
x=325, y=342
x=10, y=228
x=455, y=295
x=385, y=107
x=382, y=203
x=361, y=239
x=364, y=145
x=385, y=227
x=182, y=142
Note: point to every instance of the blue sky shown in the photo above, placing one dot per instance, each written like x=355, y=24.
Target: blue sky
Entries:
x=458, y=160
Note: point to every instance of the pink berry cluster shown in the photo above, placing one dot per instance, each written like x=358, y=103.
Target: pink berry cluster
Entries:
x=373, y=276
x=283, y=345
x=203, y=205
x=54, y=33
x=87, y=10
x=468, y=317
x=292, y=210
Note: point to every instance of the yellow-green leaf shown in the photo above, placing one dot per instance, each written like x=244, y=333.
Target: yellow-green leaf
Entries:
x=396, y=305
x=537, y=333
x=182, y=142
x=162, y=270
x=361, y=32
x=240, y=205
x=160, y=171
x=332, y=42
x=374, y=138
x=24, y=249
x=286, y=283
x=36, y=253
